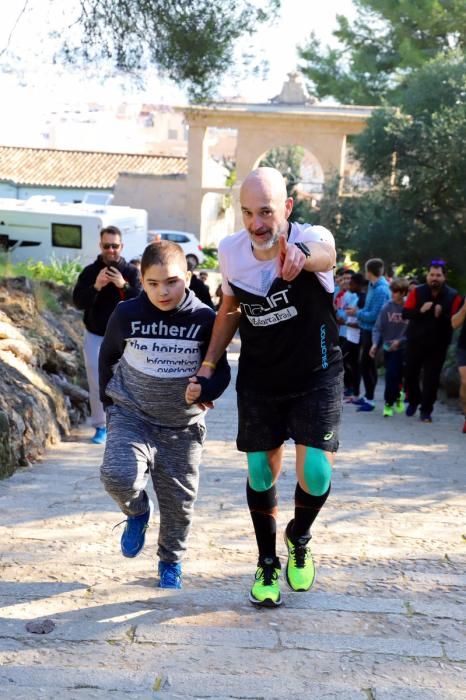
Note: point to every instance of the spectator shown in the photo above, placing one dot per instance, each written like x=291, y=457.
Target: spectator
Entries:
x=458, y=321
x=390, y=333
x=378, y=294
x=429, y=308
x=345, y=299
x=351, y=357
x=200, y=289
x=100, y=287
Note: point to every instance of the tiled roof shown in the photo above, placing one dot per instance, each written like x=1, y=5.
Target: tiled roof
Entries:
x=48, y=167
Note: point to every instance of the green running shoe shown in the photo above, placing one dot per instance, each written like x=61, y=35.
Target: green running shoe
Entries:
x=300, y=569
x=266, y=589
x=400, y=403
x=388, y=411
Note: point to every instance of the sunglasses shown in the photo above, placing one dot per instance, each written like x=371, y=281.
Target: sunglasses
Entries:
x=113, y=246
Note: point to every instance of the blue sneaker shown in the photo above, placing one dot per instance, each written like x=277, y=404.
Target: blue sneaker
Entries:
x=411, y=409
x=366, y=406
x=170, y=575
x=134, y=534
x=100, y=436
x=358, y=402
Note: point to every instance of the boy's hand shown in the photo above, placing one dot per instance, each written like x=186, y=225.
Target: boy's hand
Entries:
x=193, y=391
x=290, y=260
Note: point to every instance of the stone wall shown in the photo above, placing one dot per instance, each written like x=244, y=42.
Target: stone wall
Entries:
x=41, y=370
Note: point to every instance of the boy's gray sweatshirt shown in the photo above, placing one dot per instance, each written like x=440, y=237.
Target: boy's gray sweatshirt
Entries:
x=390, y=325
x=147, y=356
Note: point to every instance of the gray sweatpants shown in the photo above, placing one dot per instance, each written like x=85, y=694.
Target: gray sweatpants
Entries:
x=91, y=349
x=136, y=447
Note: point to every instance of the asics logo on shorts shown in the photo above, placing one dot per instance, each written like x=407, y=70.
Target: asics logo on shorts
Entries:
x=328, y=436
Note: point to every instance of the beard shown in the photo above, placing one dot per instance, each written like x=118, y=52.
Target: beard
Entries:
x=267, y=245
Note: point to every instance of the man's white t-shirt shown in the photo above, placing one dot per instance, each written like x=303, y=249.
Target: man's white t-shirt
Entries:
x=239, y=265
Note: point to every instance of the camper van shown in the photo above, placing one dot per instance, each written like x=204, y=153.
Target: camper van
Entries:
x=40, y=228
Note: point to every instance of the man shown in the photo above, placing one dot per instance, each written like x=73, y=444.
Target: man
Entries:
x=458, y=321
x=100, y=287
x=429, y=308
x=278, y=286
x=199, y=287
x=378, y=293
x=343, y=300
x=353, y=337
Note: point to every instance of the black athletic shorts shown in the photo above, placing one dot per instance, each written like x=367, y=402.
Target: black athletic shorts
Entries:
x=311, y=419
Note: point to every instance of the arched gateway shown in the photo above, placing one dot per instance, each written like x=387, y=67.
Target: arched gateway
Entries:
x=291, y=118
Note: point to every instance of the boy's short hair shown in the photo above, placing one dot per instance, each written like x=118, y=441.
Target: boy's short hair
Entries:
x=399, y=284
x=161, y=253
x=375, y=266
x=358, y=278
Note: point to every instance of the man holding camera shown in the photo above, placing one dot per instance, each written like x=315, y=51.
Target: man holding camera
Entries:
x=100, y=287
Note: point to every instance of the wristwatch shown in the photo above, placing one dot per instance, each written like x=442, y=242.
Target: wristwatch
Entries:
x=304, y=249
x=125, y=287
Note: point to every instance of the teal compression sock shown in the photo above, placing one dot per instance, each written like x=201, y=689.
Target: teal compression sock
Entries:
x=260, y=474
x=317, y=471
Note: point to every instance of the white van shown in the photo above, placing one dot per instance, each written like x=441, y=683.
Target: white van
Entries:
x=40, y=228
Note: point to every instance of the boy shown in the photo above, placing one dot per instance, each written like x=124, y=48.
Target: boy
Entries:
x=152, y=346
x=390, y=331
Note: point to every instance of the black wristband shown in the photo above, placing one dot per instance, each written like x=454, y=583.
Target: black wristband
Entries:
x=304, y=249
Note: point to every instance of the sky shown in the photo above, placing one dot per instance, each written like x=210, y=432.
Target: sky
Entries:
x=23, y=28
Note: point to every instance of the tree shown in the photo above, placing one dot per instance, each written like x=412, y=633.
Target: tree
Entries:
x=415, y=156
x=388, y=40
x=190, y=41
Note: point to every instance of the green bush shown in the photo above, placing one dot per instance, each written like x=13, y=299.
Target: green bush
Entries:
x=62, y=272
x=211, y=258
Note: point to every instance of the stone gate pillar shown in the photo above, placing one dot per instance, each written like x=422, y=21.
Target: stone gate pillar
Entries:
x=197, y=158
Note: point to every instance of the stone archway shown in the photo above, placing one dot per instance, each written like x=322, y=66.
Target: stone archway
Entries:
x=292, y=117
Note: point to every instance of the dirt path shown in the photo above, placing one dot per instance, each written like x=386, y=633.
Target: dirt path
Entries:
x=385, y=618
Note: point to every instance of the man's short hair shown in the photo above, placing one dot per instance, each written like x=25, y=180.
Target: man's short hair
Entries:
x=375, y=266
x=439, y=264
x=162, y=253
x=340, y=271
x=399, y=284
x=112, y=230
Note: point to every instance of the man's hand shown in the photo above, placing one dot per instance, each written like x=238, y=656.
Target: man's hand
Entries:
x=427, y=305
x=102, y=279
x=115, y=276
x=290, y=260
x=373, y=350
x=437, y=310
x=193, y=391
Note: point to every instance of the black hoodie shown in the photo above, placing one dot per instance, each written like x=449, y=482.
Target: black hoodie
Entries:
x=98, y=305
x=147, y=356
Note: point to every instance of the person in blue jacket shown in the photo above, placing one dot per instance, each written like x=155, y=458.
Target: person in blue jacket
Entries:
x=378, y=293
x=153, y=347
